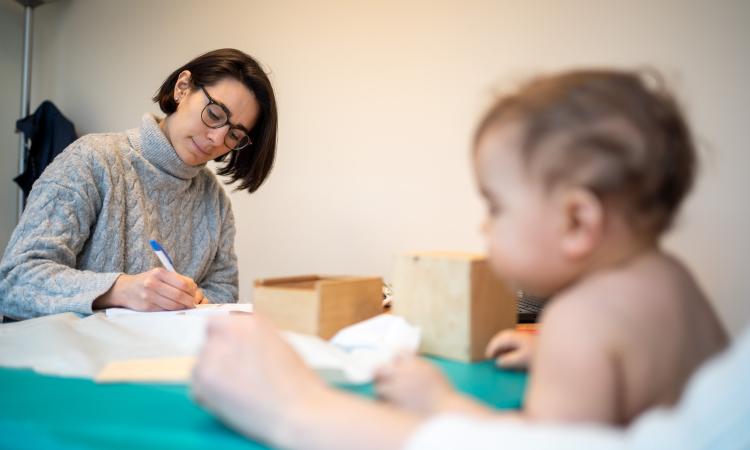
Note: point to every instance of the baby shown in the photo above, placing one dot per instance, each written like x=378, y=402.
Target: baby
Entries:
x=582, y=174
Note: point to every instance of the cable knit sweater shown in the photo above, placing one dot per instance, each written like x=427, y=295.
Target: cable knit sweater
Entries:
x=91, y=214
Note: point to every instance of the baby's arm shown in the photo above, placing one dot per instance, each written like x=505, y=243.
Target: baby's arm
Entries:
x=575, y=376
x=512, y=349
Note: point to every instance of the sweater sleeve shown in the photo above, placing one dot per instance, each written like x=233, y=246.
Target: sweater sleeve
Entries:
x=38, y=274
x=220, y=285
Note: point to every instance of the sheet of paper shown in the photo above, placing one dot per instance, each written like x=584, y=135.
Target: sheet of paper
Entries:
x=68, y=345
x=151, y=347
x=151, y=370
x=199, y=310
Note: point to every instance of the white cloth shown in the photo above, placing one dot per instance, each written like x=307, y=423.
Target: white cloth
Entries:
x=714, y=413
x=373, y=342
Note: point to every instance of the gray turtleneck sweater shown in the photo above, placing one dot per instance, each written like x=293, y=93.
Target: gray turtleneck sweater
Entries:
x=91, y=214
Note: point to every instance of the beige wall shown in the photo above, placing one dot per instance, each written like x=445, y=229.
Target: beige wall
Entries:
x=11, y=37
x=378, y=101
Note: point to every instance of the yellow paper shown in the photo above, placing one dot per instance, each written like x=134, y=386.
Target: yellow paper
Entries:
x=152, y=370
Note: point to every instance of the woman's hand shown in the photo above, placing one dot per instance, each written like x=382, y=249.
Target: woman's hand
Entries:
x=419, y=387
x=512, y=349
x=252, y=379
x=413, y=384
x=155, y=290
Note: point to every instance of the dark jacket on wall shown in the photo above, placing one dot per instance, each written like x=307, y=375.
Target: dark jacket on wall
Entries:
x=50, y=132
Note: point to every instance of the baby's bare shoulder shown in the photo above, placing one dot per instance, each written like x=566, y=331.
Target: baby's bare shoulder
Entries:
x=576, y=309
x=592, y=297
x=654, y=288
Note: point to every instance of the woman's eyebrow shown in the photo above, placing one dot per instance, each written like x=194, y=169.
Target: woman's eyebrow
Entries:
x=241, y=127
x=229, y=116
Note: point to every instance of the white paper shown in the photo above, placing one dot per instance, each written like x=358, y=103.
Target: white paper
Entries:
x=139, y=344
x=199, y=310
x=67, y=345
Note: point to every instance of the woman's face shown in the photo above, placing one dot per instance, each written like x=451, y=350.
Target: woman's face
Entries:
x=194, y=141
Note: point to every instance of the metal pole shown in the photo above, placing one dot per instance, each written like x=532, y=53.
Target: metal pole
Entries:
x=25, y=97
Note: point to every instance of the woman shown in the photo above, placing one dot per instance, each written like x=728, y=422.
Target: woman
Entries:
x=83, y=240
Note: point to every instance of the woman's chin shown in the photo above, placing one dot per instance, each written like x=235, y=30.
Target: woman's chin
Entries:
x=191, y=157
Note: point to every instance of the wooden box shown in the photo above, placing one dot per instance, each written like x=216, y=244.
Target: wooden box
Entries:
x=456, y=301
x=318, y=305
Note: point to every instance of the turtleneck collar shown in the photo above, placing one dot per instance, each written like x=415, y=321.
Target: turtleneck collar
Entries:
x=155, y=147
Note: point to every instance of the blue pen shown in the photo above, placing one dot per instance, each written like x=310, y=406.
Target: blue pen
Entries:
x=166, y=261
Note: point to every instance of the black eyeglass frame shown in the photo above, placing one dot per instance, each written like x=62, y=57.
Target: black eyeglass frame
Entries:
x=227, y=114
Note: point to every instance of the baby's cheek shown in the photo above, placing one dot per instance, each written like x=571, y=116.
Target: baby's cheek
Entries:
x=497, y=257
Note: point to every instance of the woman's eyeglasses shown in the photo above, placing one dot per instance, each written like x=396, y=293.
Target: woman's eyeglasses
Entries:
x=216, y=115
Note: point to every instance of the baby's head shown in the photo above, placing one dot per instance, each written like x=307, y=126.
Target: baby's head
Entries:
x=571, y=162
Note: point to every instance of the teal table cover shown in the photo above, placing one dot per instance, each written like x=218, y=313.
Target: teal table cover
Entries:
x=44, y=412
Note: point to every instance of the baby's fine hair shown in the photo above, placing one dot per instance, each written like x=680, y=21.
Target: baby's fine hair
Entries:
x=618, y=133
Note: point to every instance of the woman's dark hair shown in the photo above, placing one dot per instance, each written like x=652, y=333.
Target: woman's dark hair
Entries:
x=252, y=164
x=623, y=135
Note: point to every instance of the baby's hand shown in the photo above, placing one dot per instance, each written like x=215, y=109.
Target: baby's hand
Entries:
x=512, y=349
x=413, y=384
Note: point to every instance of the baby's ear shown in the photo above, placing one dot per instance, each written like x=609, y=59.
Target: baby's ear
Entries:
x=583, y=222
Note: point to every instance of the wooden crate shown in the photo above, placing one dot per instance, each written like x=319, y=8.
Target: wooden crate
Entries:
x=319, y=305
x=456, y=301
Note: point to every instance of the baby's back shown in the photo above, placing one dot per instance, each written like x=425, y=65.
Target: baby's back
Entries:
x=663, y=328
